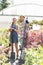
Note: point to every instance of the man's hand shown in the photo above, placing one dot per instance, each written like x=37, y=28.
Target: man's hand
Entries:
x=18, y=31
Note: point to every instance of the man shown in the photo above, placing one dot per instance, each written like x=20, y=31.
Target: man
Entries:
x=22, y=29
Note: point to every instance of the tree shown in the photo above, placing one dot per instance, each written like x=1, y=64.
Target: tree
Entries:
x=3, y=4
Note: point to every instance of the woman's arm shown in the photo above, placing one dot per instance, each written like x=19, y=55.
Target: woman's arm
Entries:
x=17, y=30
x=10, y=29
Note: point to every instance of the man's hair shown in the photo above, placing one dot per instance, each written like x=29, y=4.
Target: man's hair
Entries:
x=22, y=16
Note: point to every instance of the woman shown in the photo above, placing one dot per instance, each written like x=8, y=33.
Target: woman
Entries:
x=14, y=34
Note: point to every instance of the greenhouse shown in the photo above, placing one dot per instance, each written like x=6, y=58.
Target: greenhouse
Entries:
x=21, y=43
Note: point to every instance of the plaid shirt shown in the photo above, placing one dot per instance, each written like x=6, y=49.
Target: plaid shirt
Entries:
x=22, y=28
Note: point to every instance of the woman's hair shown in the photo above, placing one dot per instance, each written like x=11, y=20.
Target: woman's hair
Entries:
x=22, y=16
x=13, y=21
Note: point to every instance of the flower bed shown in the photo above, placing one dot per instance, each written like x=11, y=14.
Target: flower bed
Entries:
x=35, y=36
x=34, y=56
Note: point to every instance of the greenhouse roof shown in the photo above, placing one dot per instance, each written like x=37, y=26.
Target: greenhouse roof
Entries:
x=24, y=7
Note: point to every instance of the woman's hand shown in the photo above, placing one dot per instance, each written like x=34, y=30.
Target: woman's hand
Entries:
x=10, y=29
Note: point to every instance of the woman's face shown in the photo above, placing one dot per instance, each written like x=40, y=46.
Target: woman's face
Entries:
x=15, y=20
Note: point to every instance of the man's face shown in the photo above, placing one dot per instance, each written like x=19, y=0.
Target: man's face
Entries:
x=22, y=18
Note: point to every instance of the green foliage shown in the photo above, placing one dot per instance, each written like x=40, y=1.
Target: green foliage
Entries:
x=4, y=39
x=41, y=22
x=3, y=59
x=36, y=22
x=3, y=4
x=34, y=56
